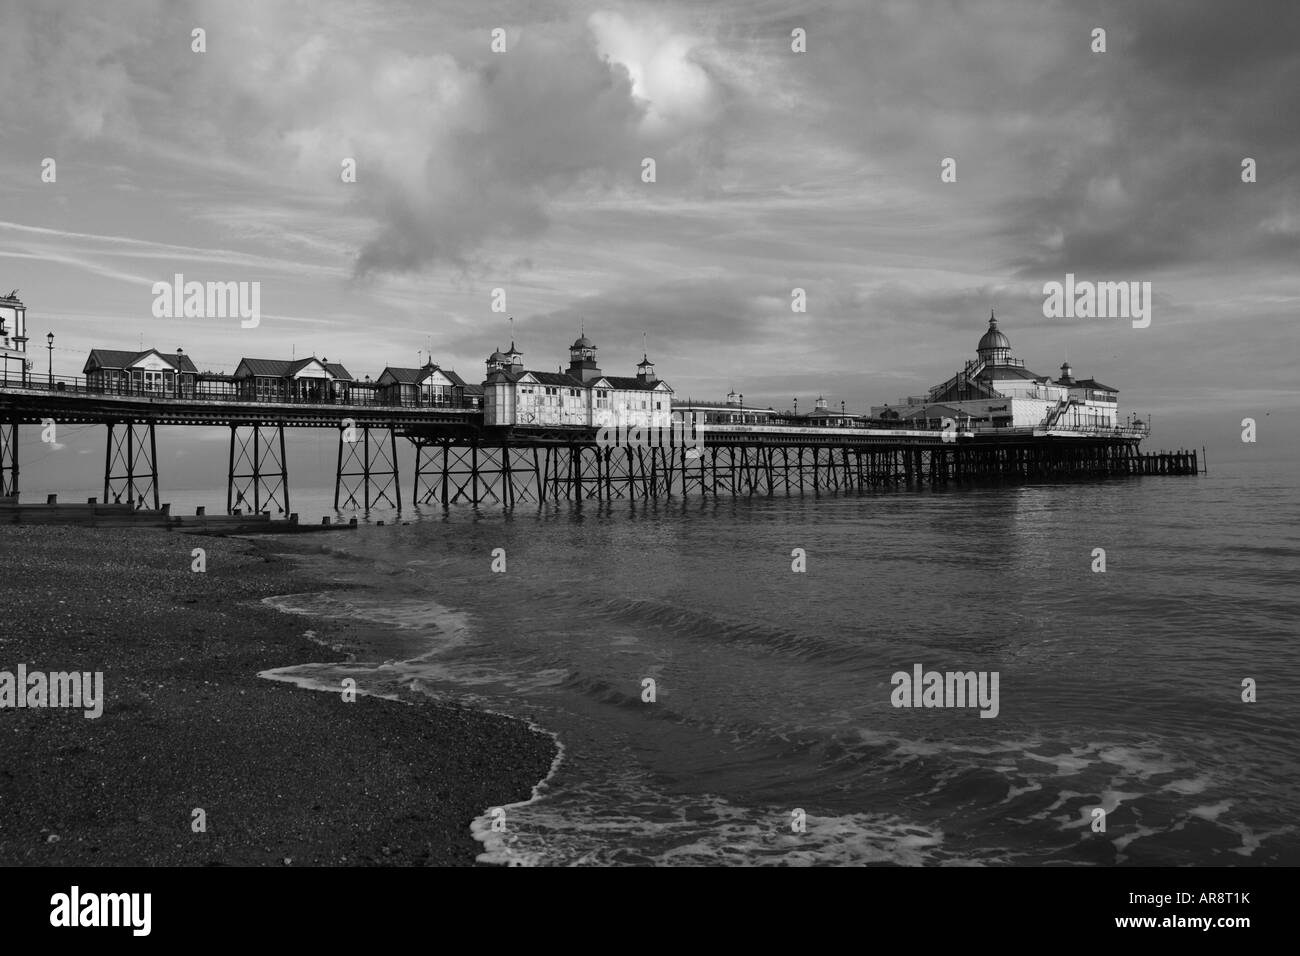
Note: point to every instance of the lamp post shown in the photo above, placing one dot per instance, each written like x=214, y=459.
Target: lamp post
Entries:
x=180, y=357
x=49, y=346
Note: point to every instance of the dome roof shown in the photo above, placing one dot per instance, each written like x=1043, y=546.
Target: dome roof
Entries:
x=583, y=343
x=993, y=339
x=496, y=356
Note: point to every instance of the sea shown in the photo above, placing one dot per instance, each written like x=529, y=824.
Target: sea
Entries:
x=720, y=674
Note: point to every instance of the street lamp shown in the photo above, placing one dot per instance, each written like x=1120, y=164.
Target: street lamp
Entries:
x=49, y=345
x=180, y=356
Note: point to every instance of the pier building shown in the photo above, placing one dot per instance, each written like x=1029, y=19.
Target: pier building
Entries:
x=580, y=396
x=996, y=391
x=304, y=380
x=14, y=364
x=148, y=372
x=429, y=386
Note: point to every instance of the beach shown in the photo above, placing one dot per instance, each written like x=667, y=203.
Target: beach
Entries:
x=195, y=760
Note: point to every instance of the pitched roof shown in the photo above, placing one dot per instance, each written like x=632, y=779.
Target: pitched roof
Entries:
x=413, y=376
x=273, y=368
x=116, y=358
x=283, y=368
x=617, y=381
x=109, y=358
x=556, y=378
x=402, y=376
x=1094, y=384
x=542, y=378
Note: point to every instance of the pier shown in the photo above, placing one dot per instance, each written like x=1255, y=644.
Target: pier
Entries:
x=460, y=459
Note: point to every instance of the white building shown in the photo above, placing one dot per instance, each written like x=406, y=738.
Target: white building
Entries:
x=997, y=391
x=13, y=340
x=580, y=396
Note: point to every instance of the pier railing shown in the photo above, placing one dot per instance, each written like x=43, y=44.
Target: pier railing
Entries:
x=349, y=394
x=1134, y=429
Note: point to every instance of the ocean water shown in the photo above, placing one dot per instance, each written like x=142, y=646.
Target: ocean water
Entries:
x=1120, y=690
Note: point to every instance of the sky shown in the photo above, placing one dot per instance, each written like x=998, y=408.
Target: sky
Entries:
x=775, y=169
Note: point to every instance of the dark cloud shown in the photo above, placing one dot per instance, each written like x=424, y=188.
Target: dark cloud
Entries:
x=549, y=116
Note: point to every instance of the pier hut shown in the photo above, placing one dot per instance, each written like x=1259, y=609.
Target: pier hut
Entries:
x=428, y=386
x=147, y=372
x=310, y=380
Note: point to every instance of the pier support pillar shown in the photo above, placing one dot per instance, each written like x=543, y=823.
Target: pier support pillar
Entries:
x=367, y=466
x=259, y=471
x=8, y=459
x=424, y=489
x=131, y=464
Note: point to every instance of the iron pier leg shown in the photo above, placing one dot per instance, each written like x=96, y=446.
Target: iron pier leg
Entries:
x=9, y=459
x=230, y=479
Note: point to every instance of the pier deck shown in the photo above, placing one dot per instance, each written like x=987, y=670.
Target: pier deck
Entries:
x=460, y=459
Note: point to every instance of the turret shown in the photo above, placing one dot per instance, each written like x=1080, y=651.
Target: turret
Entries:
x=514, y=359
x=582, y=360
